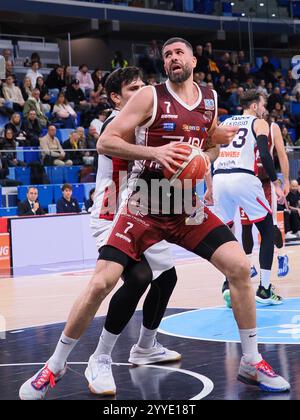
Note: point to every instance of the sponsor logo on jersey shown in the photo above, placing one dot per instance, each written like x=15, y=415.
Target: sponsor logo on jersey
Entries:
x=208, y=116
x=187, y=127
x=209, y=104
x=169, y=126
x=119, y=235
x=170, y=116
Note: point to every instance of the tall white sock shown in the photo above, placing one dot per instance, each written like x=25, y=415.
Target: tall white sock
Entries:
x=249, y=346
x=265, y=276
x=147, y=337
x=63, y=349
x=106, y=343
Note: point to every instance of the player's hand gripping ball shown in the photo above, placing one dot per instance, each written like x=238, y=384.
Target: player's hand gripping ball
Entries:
x=194, y=169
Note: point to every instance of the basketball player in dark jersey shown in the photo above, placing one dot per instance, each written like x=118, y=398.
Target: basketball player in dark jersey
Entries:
x=148, y=129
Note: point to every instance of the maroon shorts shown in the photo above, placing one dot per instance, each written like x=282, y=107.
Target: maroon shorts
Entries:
x=135, y=233
x=268, y=193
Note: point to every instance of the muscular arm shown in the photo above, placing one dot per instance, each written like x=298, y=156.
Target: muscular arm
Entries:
x=282, y=156
x=261, y=129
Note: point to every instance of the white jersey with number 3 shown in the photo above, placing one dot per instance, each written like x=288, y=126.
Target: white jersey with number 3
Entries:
x=240, y=153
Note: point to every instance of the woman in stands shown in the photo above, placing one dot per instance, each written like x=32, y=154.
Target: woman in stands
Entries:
x=26, y=88
x=44, y=94
x=64, y=112
x=8, y=144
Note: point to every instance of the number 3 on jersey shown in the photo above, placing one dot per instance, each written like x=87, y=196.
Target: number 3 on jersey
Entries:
x=239, y=139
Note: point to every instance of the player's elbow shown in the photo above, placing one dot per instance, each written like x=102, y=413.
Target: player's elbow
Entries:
x=102, y=145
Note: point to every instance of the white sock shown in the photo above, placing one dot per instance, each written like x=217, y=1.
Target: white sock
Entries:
x=249, y=346
x=63, y=349
x=147, y=337
x=106, y=343
x=265, y=276
x=281, y=252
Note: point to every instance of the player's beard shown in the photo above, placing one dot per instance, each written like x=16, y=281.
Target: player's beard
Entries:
x=180, y=78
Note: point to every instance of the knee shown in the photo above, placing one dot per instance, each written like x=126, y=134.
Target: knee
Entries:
x=240, y=272
x=102, y=284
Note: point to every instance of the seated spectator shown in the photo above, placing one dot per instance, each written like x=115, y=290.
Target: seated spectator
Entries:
x=32, y=129
x=4, y=172
x=31, y=206
x=64, y=113
x=282, y=87
x=71, y=146
x=202, y=61
x=262, y=87
x=242, y=58
x=9, y=67
x=35, y=57
x=13, y=94
x=8, y=144
x=274, y=98
x=82, y=137
x=33, y=73
x=267, y=69
x=44, y=94
x=76, y=96
x=7, y=54
x=293, y=199
x=68, y=76
x=235, y=101
x=56, y=80
x=52, y=151
x=91, y=158
x=90, y=202
x=67, y=204
x=199, y=78
x=290, y=81
x=16, y=126
x=281, y=117
x=249, y=84
x=26, y=88
x=118, y=62
x=98, y=122
x=286, y=137
x=97, y=77
x=34, y=103
x=85, y=80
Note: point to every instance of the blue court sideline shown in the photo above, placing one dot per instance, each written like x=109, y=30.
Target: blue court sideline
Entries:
x=276, y=324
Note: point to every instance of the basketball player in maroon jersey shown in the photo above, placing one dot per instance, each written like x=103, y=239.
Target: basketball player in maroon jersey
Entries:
x=147, y=130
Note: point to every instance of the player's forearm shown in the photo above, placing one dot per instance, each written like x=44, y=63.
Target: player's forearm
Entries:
x=213, y=152
x=117, y=147
x=208, y=181
x=285, y=167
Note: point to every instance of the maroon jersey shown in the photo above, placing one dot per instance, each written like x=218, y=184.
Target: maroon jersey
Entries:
x=173, y=120
x=260, y=171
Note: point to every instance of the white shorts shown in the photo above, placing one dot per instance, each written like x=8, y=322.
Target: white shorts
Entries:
x=234, y=190
x=158, y=256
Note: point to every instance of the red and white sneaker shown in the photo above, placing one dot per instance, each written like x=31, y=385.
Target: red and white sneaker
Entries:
x=263, y=376
x=37, y=386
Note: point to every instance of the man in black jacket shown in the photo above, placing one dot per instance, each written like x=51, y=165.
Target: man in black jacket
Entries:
x=56, y=80
x=75, y=95
x=67, y=204
x=31, y=206
x=32, y=129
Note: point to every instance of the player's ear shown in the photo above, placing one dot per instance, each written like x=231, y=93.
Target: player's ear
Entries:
x=115, y=97
x=194, y=62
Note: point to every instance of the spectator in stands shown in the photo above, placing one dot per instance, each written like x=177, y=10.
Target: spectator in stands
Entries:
x=267, y=70
x=290, y=81
x=224, y=64
x=282, y=87
x=52, y=151
x=76, y=96
x=56, y=80
x=280, y=115
x=34, y=103
x=98, y=122
x=13, y=94
x=286, y=137
x=33, y=73
x=221, y=87
x=68, y=76
x=64, y=113
x=269, y=88
x=208, y=51
x=36, y=57
x=44, y=94
x=97, y=77
x=234, y=73
x=85, y=80
x=235, y=101
x=82, y=137
x=274, y=98
x=5, y=106
x=31, y=206
x=244, y=73
x=249, y=84
x=199, y=78
x=262, y=87
x=241, y=58
x=202, y=61
x=26, y=88
x=67, y=204
x=71, y=146
x=9, y=145
x=154, y=59
x=118, y=62
x=293, y=200
x=90, y=202
x=7, y=54
x=32, y=129
x=9, y=66
x=15, y=125
x=4, y=172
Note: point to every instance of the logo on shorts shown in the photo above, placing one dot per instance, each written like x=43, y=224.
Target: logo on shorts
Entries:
x=209, y=104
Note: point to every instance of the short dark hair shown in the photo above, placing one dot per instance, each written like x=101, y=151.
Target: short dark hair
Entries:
x=119, y=78
x=176, y=39
x=249, y=97
x=67, y=187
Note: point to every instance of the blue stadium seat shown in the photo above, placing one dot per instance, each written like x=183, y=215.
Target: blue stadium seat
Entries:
x=56, y=174
x=71, y=174
x=52, y=208
x=23, y=174
x=78, y=192
x=276, y=62
x=292, y=133
x=8, y=211
x=295, y=108
x=32, y=155
x=12, y=172
x=63, y=134
x=87, y=189
x=258, y=62
x=22, y=192
x=3, y=120
x=57, y=192
x=46, y=195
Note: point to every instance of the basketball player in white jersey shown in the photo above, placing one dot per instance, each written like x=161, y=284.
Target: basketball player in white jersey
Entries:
x=235, y=184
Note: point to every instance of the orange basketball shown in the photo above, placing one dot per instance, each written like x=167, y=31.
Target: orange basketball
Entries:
x=194, y=169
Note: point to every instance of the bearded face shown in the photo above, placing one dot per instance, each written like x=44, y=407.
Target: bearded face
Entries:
x=179, y=73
